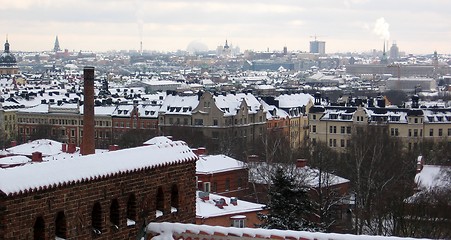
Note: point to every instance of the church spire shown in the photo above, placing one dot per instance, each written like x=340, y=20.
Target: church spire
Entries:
x=56, y=47
x=7, y=45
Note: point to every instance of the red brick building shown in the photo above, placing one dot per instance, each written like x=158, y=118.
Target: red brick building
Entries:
x=222, y=175
x=110, y=195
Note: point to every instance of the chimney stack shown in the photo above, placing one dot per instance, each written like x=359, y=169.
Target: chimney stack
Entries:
x=36, y=157
x=300, y=163
x=88, y=145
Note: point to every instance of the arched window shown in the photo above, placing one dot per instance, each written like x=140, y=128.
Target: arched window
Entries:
x=96, y=218
x=39, y=229
x=60, y=225
x=174, y=198
x=160, y=202
x=114, y=213
x=131, y=207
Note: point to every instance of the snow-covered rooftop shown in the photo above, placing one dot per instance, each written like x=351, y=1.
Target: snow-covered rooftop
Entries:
x=432, y=176
x=217, y=163
x=261, y=173
x=166, y=231
x=85, y=168
x=208, y=208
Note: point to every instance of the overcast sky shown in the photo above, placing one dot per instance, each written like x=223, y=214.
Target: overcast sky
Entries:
x=418, y=26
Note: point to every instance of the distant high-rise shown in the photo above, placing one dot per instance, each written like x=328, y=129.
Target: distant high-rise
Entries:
x=318, y=47
x=394, y=51
x=56, y=47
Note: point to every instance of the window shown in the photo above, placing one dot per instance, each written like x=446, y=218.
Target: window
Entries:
x=238, y=222
x=314, y=128
x=331, y=129
x=410, y=132
x=215, y=122
x=227, y=184
x=313, y=116
x=160, y=201
x=174, y=198
x=39, y=229
x=392, y=132
x=415, y=132
x=449, y=131
x=330, y=142
x=96, y=218
x=60, y=225
x=342, y=129
x=207, y=187
x=335, y=142
x=416, y=120
x=214, y=187
x=199, y=122
x=114, y=213
x=440, y=132
x=342, y=143
x=239, y=183
x=431, y=132
x=335, y=129
x=131, y=209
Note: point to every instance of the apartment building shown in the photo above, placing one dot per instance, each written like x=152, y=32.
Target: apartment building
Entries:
x=334, y=125
x=217, y=116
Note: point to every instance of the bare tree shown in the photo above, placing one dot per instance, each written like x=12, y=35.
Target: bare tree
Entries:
x=381, y=174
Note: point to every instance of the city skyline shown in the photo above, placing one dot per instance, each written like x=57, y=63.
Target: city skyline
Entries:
x=346, y=26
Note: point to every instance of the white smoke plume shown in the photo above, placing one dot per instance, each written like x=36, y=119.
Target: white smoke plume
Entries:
x=381, y=29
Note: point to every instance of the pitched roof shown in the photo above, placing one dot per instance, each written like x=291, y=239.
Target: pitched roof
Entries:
x=217, y=163
x=34, y=177
x=208, y=208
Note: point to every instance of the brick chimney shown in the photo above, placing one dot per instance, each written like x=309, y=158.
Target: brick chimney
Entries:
x=300, y=163
x=36, y=157
x=200, y=151
x=71, y=148
x=113, y=147
x=64, y=147
x=88, y=144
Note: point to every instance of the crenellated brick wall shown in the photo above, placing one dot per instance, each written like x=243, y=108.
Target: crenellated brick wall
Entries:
x=19, y=212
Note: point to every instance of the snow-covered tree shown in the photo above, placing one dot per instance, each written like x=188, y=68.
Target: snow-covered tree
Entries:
x=290, y=207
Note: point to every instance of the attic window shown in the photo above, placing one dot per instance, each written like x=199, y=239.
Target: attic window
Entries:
x=431, y=119
x=119, y=111
x=146, y=112
x=333, y=116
